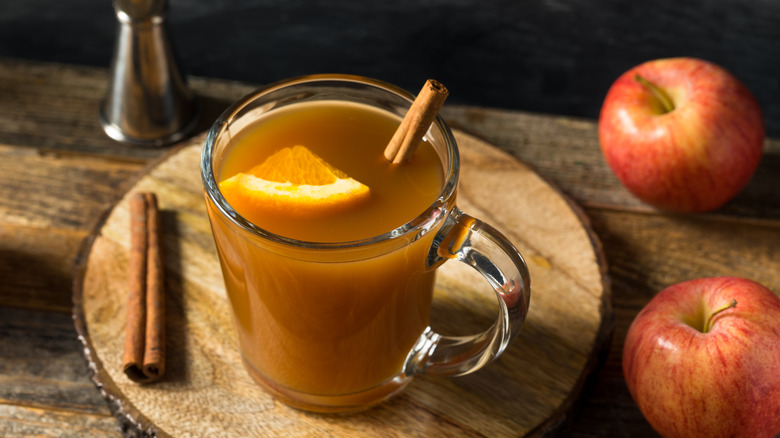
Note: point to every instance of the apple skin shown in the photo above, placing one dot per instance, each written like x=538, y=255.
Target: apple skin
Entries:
x=694, y=158
x=723, y=383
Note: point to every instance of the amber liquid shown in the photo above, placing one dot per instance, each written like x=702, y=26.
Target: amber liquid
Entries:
x=351, y=138
x=321, y=322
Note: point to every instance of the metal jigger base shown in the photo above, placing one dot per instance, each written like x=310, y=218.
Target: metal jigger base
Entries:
x=115, y=132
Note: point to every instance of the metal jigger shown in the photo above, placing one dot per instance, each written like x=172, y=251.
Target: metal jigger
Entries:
x=147, y=103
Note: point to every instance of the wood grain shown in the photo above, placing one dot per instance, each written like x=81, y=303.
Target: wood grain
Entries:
x=42, y=365
x=566, y=151
x=42, y=371
x=45, y=189
x=545, y=56
x=524, y=393
x=36, y=422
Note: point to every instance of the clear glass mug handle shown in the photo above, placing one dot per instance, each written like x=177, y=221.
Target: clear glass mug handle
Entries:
x=477, y=244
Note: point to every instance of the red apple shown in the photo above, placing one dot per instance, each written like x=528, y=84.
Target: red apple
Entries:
x=702, y=359
x=682, y=134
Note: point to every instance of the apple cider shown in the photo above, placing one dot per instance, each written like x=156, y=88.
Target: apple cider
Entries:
x=343, y=320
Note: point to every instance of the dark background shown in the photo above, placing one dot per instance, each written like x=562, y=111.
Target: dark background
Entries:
x=549, y=56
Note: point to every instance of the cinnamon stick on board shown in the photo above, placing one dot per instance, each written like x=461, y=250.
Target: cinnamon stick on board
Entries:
x=416, y=122
x=143, y=359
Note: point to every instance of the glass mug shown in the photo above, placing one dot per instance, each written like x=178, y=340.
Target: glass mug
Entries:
x=342, y=326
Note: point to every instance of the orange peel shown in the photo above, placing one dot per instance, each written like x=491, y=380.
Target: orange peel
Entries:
x=293, y=181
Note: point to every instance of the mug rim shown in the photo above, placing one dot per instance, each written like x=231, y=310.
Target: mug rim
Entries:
x=421, y=221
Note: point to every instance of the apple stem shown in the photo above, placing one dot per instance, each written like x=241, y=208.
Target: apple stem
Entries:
x=666, y=101
x=730, y=305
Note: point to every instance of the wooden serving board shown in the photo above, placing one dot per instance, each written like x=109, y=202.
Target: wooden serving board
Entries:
x=206, y=392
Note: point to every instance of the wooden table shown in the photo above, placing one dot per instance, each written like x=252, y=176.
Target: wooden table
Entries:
x=60, y=173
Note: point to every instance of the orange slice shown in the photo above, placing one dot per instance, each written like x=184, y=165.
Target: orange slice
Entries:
x=292, y=181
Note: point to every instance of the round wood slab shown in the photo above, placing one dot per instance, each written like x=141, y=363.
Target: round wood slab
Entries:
x=206, y=392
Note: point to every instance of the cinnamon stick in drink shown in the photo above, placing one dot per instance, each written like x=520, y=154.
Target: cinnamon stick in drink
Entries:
x=143, y=358
x=416, y=122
